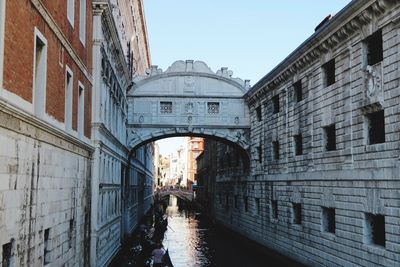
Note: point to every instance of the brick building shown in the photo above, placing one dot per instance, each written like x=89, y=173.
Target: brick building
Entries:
x=45, y=115
x=70, y=188
x=324, y=181
x=195, y=145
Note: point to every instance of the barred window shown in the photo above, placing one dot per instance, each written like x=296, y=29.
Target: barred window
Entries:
x=166, y=107
x=213, y=107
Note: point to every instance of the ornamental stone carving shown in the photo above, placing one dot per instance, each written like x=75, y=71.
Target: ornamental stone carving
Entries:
x=372, y=81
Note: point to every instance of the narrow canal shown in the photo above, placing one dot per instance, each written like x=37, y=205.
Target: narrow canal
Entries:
x=193, y=241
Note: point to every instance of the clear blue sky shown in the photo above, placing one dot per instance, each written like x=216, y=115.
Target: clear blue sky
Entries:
x=250, y=37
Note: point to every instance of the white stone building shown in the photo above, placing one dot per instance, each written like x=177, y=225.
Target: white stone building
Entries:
x=122, y=180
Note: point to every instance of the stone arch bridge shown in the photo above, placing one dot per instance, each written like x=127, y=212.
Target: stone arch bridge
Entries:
x=180, y=193
x=188, y=99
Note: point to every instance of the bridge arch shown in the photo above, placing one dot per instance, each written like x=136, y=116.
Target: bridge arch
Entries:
x=188, y=99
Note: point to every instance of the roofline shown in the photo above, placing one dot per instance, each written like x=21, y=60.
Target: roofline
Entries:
x=346, y=12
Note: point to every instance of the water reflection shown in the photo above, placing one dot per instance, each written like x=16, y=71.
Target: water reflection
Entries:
x=185, y=238
x=193, y=241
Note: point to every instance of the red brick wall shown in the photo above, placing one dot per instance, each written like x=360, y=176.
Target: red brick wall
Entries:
x=21, y=19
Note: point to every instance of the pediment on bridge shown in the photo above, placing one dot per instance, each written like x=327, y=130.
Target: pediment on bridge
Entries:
x=189, y=78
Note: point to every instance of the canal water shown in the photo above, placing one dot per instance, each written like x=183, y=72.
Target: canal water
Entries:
x=193, y=241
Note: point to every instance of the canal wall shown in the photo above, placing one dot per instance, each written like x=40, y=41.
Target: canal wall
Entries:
x=325, y=179
x=44, y=193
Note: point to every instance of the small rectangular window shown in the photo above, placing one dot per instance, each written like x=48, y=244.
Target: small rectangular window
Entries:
x=40, y=74
x=375, y=229
x=7, y=255
x=258, y=113
x=82, y=21
x=213, y=107
x=166, y=107
x=298, y=144
x=274, y=209
x=329, y=72
x=376, y=127
x=328, y=220
x=296, y=213
x=227, y=201
x=68, y=99
x=260, y=155
x=71, y=233
x=298, y=91
x=81, y=110
x=374, y=48
x=246, y=203
x=275, y=104
x=257, y=205
x=330, y=137
x=71, y=11
x=275, y=149
x=46, y=247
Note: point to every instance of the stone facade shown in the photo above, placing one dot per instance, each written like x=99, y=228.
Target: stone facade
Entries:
x=45, y=150
x=324, y=182
x=70, y=187
x=122, y=179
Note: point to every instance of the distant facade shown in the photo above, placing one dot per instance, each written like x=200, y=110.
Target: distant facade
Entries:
x=195, y=145
x=323, y=186
x=45, y=130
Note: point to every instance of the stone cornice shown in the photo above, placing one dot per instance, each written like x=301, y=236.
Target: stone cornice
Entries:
x=343, y=25
x=105, y=132
x=62, y=38
x=21, y=122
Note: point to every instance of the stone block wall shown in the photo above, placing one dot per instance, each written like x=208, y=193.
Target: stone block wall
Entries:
x=44, y=196
x=333, y=200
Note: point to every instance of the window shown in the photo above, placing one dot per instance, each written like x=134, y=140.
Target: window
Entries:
x=274, y=209
x=298, y=144
x=236, y=202
x=296, y=213
x=227, y=201
x=246, y=203
x=70, y=232
x=71, y=11
x=46, y=254
x=82, y=21
x=298, y=91
x=7, y=255
x=39, y=77
x=259, y=153
x=275, y=149
x=258, y=113
x=376, y=127
x=213, y=107
x=375, y=229
x=275, y=104
x=257, y=207
x=68, y=99
x=374, y=50
x=330, y=137
x=81, y=110
x=328, y=220
x=166, y=107
x=329, y=72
